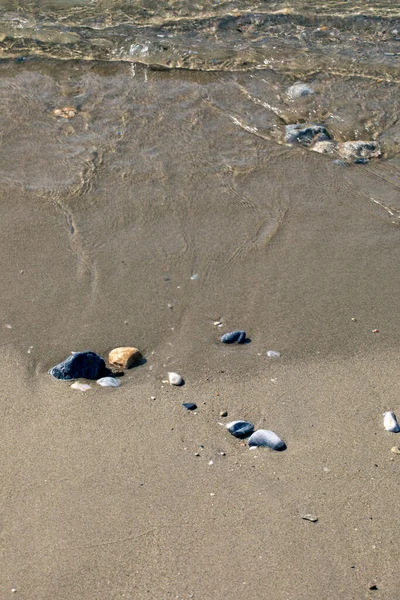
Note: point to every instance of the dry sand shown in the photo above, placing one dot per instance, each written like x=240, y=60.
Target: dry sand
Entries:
x=102, y=495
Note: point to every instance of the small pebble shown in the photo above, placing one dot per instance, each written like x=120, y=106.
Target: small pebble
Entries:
x=124, y=357
x=375, y=331
x=238, y=336
x=240, y=429
x=390, y=422
x=273, y=354
x=80, y=386
x=395, y=450
x=223, y=413
x=266, y=438
x=373, y=586
x=152, y=397
x=189, y=405
x=108, y=382
x=175, y=379
x=197, y=453
x=211, y=462
x=195, y=277
x=311, y=518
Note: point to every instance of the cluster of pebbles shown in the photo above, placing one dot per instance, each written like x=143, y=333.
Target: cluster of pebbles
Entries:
x=317, y=138
x=89, y=365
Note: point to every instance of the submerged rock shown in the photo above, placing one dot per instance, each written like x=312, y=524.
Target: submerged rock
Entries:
x=80, y=365
x=359, y=151
x=390, y=422
x=175, y=379
x=266, y=438
x=108, y=382
x=124, y=357
x=238, y=336
x=306, y=134
x=324, y=147
x=298, y=90
x=240, y=429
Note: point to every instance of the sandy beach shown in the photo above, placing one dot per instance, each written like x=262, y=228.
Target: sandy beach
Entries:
x=109, y=494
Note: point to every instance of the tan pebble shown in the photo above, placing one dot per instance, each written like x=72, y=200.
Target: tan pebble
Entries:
x=67, y=112
x=395, y=450
x=124, y=357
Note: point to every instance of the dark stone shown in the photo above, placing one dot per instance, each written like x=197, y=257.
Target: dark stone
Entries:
x=86, y=365
x=189, y=405
x=306, y=134
x=240, y=429
x=238, y=336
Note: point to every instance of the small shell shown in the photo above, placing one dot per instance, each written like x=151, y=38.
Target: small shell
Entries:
x=240, y=429
x=238, y=336
x=264, y=437
x=175, y=379
x=109, y=382
x=390, y=422
x=80, y=386
x=273, y=354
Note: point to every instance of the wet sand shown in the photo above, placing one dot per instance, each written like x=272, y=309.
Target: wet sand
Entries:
x=108, y=215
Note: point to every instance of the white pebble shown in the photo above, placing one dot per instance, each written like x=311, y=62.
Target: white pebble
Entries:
x=108, y=382
x=195, y=277
x=273, y=354
x=80, y=386
x=175, y=379
x=390, y=422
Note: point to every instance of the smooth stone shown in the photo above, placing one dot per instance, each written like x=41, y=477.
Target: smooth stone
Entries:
x=311, y=518
x=80, y=365
x=273, y=354
x=238, y=336
x=266, y=438
x=240, y=429
x=298, y=90
x=359, y=151
x=124, y=357
x=189, y=405
x=223, y=413
x=83, y=387
x=175, y=379
x=306, y=133
x=108, y=382
x=390, y=422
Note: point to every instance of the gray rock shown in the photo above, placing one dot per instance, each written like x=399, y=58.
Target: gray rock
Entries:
x=298, y=90
x=240, y=429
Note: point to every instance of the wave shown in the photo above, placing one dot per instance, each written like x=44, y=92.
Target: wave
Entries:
x=294, y=36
